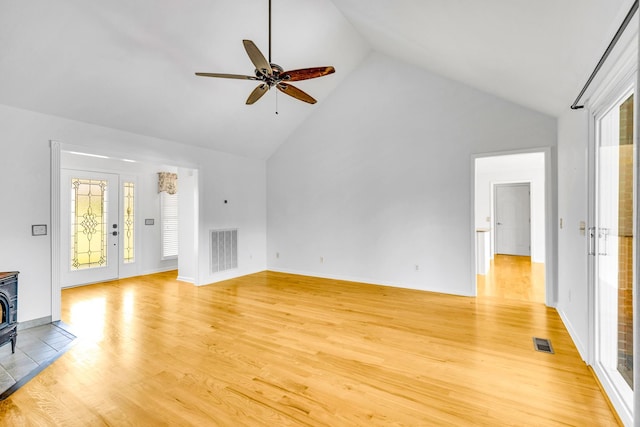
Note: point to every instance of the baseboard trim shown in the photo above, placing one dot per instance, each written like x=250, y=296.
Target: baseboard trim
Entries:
x=154, y=271
x=34, y=322
x=582, y=349
x=226, y=275
x=368, y=281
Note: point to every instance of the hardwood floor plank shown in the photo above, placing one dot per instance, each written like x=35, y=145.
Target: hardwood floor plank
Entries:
x=279, y=349
x=513, y=277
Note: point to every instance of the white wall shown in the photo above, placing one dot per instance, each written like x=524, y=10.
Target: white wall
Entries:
x=25, y=172
x=573, y=291
x=526, y=167
x=378, y=181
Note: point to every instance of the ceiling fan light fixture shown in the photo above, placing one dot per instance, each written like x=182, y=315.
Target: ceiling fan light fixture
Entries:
x=271, y=74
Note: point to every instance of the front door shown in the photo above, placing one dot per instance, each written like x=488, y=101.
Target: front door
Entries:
x=89, y=227
x=513, y=219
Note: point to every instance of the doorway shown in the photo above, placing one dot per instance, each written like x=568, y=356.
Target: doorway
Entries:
x=137, y=217
x=510, y=210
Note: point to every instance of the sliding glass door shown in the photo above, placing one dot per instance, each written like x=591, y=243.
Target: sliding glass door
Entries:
x=614, y=244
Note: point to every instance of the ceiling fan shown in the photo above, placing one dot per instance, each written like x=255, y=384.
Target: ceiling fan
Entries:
x=270, y=74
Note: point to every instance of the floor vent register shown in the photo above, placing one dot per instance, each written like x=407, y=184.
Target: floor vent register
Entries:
x=543, y=345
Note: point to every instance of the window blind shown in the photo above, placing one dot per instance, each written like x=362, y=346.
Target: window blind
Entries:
x=169, y=221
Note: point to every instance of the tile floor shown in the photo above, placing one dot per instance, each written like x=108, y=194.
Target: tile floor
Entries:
x=36, y=348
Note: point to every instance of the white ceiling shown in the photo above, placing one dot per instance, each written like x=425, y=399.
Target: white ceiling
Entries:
x=130, y=64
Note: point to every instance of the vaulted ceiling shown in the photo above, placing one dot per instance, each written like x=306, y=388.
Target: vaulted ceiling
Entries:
x=130, y=65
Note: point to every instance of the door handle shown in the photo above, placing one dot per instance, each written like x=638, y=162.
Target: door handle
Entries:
x=592, y=240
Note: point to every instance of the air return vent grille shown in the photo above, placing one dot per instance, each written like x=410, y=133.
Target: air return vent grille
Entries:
x=224, y=250
x=543, y=345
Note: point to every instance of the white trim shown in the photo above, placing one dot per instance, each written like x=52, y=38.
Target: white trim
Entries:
x=582, y=348
x=617, y=66
x=156, y=270
x=355, y=279
x=591, y=221
x=106, y=152
x=636, y=285
x=617, y=400
x=56, y=295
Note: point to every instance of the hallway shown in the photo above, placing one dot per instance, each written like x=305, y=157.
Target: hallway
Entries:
x=513, y=277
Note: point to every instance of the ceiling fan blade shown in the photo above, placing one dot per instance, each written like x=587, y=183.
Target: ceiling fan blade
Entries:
x=308, y=73
x=257, y=58
x=257, y=93
x=296, y=93
x=228, y=76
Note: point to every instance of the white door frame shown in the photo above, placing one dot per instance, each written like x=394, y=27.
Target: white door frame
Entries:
x=598, y=106
x=550, y=213
x=56, y=149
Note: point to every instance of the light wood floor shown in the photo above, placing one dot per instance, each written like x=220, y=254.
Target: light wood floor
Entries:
x=275, y=349
x=513, y=277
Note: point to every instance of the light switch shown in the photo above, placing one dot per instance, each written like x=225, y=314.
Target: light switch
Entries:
x=39, y=230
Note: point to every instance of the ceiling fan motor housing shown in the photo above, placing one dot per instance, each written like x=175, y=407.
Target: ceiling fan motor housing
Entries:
x=275, y=77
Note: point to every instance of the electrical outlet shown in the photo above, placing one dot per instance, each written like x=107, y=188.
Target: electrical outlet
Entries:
x=417, y=267
x=277, y=254
x=321, y=260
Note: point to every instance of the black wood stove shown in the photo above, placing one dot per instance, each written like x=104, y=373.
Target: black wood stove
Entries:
x=9, y=309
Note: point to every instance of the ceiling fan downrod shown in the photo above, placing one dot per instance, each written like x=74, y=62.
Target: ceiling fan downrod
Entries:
x=269, y=31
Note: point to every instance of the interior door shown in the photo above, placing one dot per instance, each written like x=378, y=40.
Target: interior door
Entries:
x=613, y=244
x=89, y=227
x=513, y=219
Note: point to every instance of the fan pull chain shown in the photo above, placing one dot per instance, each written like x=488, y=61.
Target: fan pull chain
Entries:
x=276, y=102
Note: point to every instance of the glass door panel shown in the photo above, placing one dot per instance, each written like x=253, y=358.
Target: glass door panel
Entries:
x=615, y=237
x=89, y=227
x=129, y=219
